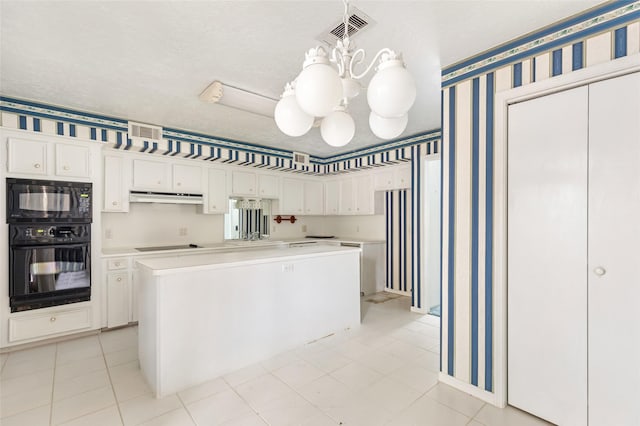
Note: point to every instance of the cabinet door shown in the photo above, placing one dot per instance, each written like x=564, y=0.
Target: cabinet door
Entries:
x=402, y=177
x=268, y=186
x=117, y=299
x=152, y=175
x=217, y=192
x=292, y=201
x=364, y=195
x=187, y=178
x=243, y=183
x=346, y=205
x=72, y=160
x=547, y=256
x=115, y=192
x=313, y=198
x=383, y=180
x=331, y=197
x=614, y=238
x=29, y=157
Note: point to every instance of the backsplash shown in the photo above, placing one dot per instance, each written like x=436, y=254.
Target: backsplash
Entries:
x=162, y=224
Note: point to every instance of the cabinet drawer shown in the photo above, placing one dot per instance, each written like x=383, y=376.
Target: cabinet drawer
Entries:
x=116, y=264
x=30, y=327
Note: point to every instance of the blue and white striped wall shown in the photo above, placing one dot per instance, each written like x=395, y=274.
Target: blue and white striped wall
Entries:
x=468, y=91
x=398, y=234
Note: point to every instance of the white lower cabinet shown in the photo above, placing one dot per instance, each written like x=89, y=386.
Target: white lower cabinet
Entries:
x=119, y=299
x=49, y=324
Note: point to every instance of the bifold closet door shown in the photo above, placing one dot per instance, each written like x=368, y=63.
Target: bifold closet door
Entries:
x=614, y=251
x=547, y=256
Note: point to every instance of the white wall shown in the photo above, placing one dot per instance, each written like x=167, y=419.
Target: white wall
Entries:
x=159, y=224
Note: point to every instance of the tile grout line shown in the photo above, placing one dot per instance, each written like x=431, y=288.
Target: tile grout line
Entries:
x=53, y=383
x=113, y=389
x=185, y=409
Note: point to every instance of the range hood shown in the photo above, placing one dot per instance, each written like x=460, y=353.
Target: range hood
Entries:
x=164, y=197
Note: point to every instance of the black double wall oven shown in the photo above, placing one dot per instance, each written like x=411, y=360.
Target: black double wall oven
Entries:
x=49, y=242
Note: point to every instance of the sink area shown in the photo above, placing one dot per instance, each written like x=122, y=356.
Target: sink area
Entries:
x=252, y=243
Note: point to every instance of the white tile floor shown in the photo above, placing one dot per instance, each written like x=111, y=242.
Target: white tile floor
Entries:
x=384, y=372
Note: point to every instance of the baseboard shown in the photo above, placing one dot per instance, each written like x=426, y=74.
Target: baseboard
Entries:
x=419, y=310
x=402, y=293
x=486, y=396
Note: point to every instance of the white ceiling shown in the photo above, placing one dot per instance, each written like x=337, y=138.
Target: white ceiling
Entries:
x=149, y=60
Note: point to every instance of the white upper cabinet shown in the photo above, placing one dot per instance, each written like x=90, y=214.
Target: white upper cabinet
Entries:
x=292, y=201
x=217, y=194
x=116, y=172
x=72, y=160
x=187, y=178
x=331, y=197
x=152, y=175
x=363, y=195
x=347, y=202
x=243, y=183
x=402, y=177
x=158, y=175
x=268, y=186
x=383, y=180
x=313, y=197
x=392, y=177
x=42, y=158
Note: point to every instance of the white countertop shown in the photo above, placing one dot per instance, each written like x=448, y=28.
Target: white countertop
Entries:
x=205, y=248
x=225, y=259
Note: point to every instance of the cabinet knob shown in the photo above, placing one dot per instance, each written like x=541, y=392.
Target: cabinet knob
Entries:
x=159, y=182
x=119, y=279
x=250, y=189
x=115, y=203
x=65, y=167
x=179, y=184
x=36, y=165
x=213, y=207
x=599, y=271
x=52, y=319
x=117, y=263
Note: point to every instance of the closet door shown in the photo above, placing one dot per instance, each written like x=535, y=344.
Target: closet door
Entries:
x=547, y=256
x=614, y=251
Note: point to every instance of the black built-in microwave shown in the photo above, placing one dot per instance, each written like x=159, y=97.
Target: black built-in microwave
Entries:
x=30, y=200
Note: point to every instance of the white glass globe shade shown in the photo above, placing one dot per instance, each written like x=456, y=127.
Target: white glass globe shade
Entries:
x=337, y=129
x=291, y=120
x=318, y=90
x=387, y=128
x=392, y=90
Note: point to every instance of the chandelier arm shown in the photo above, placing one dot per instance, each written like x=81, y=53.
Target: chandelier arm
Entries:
x=338, y=59
x=345, y=19
x=357, y=60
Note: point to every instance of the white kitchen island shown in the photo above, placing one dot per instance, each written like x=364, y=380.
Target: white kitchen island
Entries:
x=202, y=316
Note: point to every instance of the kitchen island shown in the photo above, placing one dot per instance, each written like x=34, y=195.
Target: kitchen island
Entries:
x=202, y=316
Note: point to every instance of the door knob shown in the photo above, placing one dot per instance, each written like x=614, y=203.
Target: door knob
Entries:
x=599, y=271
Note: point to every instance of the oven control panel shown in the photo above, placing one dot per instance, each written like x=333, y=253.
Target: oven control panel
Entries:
x=33, y=234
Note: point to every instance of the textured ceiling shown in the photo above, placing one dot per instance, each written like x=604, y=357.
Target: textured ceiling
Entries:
x=149, y=60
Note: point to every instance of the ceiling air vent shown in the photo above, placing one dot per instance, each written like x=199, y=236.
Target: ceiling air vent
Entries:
x=300, y=159
x=358, y=22
x=144, y=131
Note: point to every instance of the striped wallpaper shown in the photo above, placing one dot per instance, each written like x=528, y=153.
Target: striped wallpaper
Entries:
x=468, y=90
x=398, y=241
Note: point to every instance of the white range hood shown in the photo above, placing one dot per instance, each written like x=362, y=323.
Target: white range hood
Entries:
x=164, y=197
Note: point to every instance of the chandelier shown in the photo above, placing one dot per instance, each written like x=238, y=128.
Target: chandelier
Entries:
x=327, y=84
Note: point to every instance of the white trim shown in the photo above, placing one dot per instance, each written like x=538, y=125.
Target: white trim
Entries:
x=419, y=310
x=581, y=77
x=472, y=390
